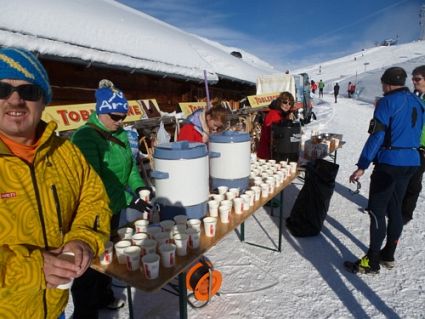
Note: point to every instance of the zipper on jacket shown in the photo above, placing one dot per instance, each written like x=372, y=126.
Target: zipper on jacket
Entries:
x=58, y=207
x=45, y=303
x=40, y=209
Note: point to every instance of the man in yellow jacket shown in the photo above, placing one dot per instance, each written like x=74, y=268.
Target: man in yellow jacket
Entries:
x=51, y=200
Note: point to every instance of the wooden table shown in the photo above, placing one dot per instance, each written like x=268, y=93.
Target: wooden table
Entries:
x=138, y=280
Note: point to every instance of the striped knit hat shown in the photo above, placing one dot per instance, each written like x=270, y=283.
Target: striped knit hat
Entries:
x=19, y=64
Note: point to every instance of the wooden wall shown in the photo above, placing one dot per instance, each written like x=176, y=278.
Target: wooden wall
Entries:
x=74, y=83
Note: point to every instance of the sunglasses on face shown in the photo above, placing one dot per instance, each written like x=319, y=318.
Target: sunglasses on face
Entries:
x=286, y=102
x=417, y=79
x=28, y=92
x=116, y=117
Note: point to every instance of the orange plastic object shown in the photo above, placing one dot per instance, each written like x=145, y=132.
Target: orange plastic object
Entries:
x=200, y=286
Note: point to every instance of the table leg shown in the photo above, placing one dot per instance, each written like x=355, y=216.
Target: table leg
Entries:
x=182, y=295
x=242, y=231
x=336, y=153
x=130, y=303
x=280, y=221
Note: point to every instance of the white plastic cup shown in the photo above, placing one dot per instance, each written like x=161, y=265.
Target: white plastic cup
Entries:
x=251, y=195
x=238, y=205
x=234, y=190
x=119, y=250
x=181, y=244
x=222, y=189
x=194, y=240
x=270, y=181
x=257, y=192
x=279, y=175
x=227, y=203
x=213, y=208
x=144, y=194
x=258, y=180
x=132, y=254
x=167, y=225
x=293, y=166
x=148, y=246
x=246, y=200
x=138, y=238
x=168, y=255
x=178, y=229
x=125, y=233
x=230, y=195
x=69, y=256
x=180, y=219
x=218, y=197
x=194, y=223
x=163, y=238
x=152, y=230
x=150, y=264
x=224, y=214
x=106, y=257
x=141, y=225
x=264, y=190
x=210, y=225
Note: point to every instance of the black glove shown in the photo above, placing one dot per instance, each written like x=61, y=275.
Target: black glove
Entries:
x=140, y=205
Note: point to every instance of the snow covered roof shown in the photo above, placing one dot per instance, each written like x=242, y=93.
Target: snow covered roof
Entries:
x=107, y=32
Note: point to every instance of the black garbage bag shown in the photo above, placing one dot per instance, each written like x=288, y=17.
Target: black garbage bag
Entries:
x=312, y=203
x=285, y=142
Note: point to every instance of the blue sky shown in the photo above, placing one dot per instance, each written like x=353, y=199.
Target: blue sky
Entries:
x=291, y=33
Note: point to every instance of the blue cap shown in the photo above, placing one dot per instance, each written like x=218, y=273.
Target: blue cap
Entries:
x=20, y=64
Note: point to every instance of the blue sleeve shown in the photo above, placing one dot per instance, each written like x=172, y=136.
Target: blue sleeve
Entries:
x=375, y=140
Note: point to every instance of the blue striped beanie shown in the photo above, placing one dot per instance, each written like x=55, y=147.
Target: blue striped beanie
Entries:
x=19, y=64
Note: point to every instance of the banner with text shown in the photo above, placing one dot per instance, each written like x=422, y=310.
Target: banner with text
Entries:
x=262, y=99
x=190, y=107
x=71, y=117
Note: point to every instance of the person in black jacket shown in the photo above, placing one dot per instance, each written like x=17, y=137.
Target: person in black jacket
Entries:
x=336, y=91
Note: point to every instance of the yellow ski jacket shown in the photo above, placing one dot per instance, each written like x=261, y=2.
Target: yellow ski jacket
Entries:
x=44, y=205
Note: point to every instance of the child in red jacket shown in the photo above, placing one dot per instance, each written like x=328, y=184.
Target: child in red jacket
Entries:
x=203, y=122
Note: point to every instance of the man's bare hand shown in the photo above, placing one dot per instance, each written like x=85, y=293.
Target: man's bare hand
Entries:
x=82, y=252
x=355, y=177
x=58, y=271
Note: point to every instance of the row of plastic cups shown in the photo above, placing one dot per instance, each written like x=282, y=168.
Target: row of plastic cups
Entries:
x=271, y=165
x=142, y=226
x=129, y=253
x=223, y=208
x=223, y=190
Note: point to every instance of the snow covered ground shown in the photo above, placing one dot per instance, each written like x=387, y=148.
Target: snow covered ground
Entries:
x=307, y=279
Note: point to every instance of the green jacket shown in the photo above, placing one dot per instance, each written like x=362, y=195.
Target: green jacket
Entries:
x=114, y=163
x=44, y=205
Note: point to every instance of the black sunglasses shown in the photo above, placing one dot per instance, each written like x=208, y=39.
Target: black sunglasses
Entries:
x=116, y=117
x=286, y=102
x=28, y=92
